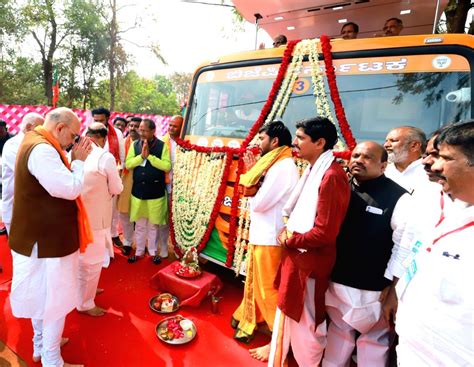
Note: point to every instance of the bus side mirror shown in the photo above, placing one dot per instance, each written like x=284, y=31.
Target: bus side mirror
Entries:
x=459, y=96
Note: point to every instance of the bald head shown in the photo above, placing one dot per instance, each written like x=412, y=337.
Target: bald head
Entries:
x=30, y=121
x=60, y=115
x=174, y=126
x=97, y=132
x=368, y=161
x=64, y=125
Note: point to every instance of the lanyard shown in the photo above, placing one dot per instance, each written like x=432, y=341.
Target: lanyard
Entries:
x=467, y=225
x=441, y=204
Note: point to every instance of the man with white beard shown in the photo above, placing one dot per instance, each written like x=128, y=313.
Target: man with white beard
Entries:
x=405, y=145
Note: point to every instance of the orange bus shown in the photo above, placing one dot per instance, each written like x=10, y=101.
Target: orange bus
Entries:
x=420, y=80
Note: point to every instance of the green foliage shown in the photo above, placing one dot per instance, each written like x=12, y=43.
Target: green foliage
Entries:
x=181, y=84
x=8, y=19
x=141, y=95
x=20, y=82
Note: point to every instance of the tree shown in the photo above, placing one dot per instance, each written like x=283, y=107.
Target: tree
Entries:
x=49, y=31
x=141, y=95
x=87, y=48
x=181, y=85
x=21, y=81
x=456, y=15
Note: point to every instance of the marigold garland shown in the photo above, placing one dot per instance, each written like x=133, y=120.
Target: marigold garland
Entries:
x=275, y=104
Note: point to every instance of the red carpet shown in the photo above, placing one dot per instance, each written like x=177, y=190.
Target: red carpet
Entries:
x=125, y=336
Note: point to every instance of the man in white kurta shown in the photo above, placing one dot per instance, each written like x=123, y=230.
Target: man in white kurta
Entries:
x=275, y=175
x=10, y=149
x=101, y=183
x=44, y=289
x=435, y=317
x=102, y=115
x=404, y=146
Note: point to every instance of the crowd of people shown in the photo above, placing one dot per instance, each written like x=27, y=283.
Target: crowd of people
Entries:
x=81, y=187
x=342, y=261
x=336, y=257
x=350, y=30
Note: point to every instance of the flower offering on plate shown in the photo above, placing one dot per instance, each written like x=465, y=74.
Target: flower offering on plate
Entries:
x=164, y=303
x=176, y=330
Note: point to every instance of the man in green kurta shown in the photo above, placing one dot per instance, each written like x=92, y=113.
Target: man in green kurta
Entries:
x=149, y=158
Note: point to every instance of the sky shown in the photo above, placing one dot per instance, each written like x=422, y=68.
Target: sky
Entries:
x=188, y=34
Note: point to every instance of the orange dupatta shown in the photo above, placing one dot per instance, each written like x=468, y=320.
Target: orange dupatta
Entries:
x=85, y=232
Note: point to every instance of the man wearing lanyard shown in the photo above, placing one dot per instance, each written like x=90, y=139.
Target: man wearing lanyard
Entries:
x=436, y=308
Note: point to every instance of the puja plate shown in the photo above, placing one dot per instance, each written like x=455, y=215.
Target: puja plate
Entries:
x=189, y=334
x=164, y=295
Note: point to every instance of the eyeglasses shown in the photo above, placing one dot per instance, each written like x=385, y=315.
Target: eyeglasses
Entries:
x=75, y=137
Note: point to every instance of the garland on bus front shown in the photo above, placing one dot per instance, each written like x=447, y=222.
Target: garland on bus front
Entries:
x=183, y=203
x=195, y=200
x=336, y=99
x=276, y=103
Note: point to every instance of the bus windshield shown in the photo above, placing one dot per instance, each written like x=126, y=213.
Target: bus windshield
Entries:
x=378, y=94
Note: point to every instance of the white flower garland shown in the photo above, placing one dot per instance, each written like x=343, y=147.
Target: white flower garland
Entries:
x=241, y=242
x=196, y=180
x=305, y=47
x=321, y=100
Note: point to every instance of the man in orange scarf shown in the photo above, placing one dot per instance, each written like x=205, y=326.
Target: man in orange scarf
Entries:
x=45, y=242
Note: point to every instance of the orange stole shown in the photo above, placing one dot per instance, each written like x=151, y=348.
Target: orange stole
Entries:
x=85, y=232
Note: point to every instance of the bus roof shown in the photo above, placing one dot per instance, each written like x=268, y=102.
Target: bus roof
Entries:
x=339, y=45
x=312, y=18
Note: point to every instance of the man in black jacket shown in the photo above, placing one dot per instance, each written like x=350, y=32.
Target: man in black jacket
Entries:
x=374, y=220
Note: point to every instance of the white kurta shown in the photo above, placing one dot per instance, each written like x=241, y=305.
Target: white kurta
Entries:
x=101, y=183
x=425, y=212
x=46, y=288
x=412, y=179
x=435, y=318
x=10, y=150
x=266, y=206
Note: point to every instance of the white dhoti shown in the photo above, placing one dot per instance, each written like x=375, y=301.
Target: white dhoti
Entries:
x=90, y=266
x=145, y=232
x=307, y=340
x=115, y=218
x=352, y=310
x=45, y=290
x=162, y=237
x=47, y=341
x=127, y=229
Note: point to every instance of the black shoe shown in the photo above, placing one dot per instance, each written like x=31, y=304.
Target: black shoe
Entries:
x=117, y=241
x=126, y=250
x=3, y=231
x=132, y=259
x=156, y=260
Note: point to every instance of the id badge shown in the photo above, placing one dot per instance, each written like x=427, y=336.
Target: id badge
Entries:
x=411, y=269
